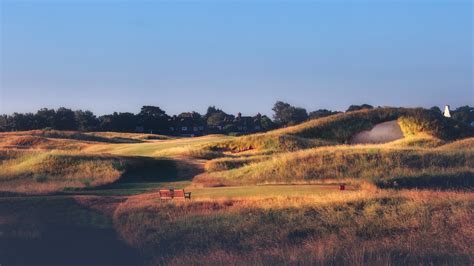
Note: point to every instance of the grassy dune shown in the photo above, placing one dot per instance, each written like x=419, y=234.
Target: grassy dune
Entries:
x=413, y=121
x=312, y=151
x=339, y=128
x=41, y=162
x=43, y=172
x=370, y=162
x=357, y=228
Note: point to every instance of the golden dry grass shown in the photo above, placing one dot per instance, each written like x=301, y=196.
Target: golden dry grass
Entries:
x=356, y=228
x=41, y=143
x=370, y=162
x=50, y=171
x=463, y=144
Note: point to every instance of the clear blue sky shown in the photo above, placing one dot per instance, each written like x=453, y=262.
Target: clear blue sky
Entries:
x=238, y=55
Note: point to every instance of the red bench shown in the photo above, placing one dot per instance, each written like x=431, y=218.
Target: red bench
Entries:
x=169, y=194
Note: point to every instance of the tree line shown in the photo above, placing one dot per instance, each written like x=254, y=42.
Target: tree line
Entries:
x=152, y=119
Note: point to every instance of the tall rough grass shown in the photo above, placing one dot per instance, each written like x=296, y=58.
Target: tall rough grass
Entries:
x=356, y=228
x=367, y=162
x=49, y=171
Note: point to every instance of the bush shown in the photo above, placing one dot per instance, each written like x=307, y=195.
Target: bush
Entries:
x=41, y=178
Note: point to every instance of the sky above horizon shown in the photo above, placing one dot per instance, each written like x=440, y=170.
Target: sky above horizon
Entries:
x=108, y=56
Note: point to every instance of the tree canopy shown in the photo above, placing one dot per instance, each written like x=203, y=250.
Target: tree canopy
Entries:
x=286, y=114
x=153, y=119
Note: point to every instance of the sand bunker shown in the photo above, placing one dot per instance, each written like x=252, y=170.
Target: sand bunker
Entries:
x=380, y=133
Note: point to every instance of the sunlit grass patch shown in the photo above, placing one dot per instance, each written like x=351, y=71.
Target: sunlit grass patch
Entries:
x=159, y=148
x=263, y=191
x=43, y=172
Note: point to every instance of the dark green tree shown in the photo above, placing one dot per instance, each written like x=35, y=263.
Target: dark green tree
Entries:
x=212, y=110
x=435, y=109
x=154, y=119
x=4, y=125
x=464, y=114
x=321, y=113
x=286, y=114
x=20, y=122
x=359, y=107
x=267, y=123
x=65, y=119
x=45, y=118
x=216, y=119
x=86, y=120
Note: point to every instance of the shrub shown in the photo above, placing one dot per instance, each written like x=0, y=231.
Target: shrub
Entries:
x=41, y=178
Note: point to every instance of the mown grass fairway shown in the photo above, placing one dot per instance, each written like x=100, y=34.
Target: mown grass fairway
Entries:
x=158, y=147
x=263, y=191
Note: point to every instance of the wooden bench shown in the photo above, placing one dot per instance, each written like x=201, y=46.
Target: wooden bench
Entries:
x=169, y=194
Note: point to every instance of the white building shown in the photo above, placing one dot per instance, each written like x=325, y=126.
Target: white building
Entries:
x=447, y=112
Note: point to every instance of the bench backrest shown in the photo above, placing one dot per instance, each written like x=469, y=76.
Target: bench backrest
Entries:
x=166, y=193
x=179, y=193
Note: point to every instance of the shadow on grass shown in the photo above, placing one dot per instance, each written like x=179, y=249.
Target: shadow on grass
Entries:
x=86, y=137
x=59, y=231
x=458, y=181
x=143, y=174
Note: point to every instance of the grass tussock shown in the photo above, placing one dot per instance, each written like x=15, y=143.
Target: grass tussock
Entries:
x=356, y=228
